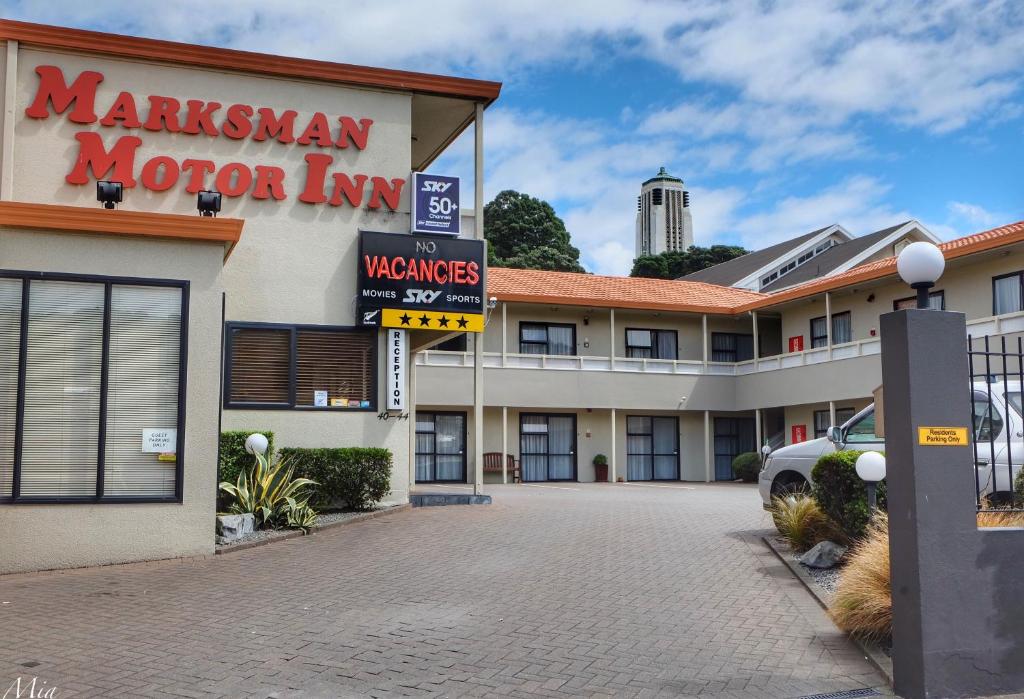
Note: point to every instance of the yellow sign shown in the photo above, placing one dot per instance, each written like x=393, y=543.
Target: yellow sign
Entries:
x=942, y=436
x=432, y=320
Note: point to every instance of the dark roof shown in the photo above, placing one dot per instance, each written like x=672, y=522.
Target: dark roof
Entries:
x=663, y=176
x=729, y=272
x=834, y=257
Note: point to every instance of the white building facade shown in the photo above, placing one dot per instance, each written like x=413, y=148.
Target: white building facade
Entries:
x=663, y=221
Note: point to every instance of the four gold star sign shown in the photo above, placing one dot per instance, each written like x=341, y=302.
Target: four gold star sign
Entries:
x=432, y=320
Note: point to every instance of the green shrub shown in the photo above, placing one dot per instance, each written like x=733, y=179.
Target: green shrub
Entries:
x=360, y=477
x=600, y=460
x=233, y=457
x=841, y=493
x=747, y=466
x=1018, y=489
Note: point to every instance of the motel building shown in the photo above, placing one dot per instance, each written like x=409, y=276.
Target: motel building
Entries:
x=133, y=331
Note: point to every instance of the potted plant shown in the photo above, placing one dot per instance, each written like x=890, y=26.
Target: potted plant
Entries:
x=601, y=468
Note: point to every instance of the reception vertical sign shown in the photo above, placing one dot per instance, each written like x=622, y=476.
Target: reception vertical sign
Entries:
x=398, y=357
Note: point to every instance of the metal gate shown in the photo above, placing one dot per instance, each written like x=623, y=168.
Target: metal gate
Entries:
x=997, y=376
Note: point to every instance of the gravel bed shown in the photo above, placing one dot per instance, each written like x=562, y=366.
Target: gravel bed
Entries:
x=321, y=520
x=826, y=580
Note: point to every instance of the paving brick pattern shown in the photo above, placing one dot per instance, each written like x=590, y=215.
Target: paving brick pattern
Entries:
x=586, y=590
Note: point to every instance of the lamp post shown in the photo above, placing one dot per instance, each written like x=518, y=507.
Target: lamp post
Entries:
x=920, y=265
x=871, y=469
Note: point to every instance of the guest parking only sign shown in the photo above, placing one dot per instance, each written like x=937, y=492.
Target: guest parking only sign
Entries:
x=435, y=204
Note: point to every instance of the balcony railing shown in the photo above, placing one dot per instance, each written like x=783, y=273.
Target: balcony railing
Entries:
x=996, y=325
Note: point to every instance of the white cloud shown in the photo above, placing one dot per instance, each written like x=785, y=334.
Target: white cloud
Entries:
x=974, y=215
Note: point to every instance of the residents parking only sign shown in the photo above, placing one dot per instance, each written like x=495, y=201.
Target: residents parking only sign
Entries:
x=435, y=204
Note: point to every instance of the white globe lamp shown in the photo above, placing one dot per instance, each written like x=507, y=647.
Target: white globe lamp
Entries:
x=871, y=469
x=920, y=265
x=256, y=444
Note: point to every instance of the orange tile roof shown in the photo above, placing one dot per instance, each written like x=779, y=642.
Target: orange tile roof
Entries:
x=573, y=289
x=960, y=247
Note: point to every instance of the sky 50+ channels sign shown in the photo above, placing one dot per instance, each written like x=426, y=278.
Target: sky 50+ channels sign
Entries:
x=421, y=282
x=435, y=204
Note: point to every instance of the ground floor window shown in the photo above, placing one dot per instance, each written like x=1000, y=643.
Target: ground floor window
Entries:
x=547, y=447
x=269, y=365
x=92, y=388
x=823, y=420
x=440, y=447
x=733, y=436
x=652, y=448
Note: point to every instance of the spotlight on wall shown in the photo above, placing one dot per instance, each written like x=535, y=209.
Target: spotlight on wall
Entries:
x=492, y=302
x=208, y=203
x=109, y=193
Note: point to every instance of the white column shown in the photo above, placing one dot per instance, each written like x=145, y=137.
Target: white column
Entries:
x=504, y=333
x=758, y=429
x=704, y=339
x=611, y=457
x=828, y=322
x=412, y=420
x=707, y=447
x=757, y=342
x=611, y=332
x=478, y=345
x=831, y=413
x=7, y=139
x=504, y=444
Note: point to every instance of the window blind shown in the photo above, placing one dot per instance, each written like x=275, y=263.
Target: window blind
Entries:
x=142, y=388
x=10, y=338
x=260, y=365
x=340, y=363
x=60, y=433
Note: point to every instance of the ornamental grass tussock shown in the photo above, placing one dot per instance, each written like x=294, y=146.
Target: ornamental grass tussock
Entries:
x=862, y=604
x=800, y=521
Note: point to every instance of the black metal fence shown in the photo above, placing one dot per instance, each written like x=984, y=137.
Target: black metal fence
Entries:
x=997, y=376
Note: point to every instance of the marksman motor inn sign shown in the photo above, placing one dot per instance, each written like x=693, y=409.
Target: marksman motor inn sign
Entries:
x=421, y=282
x=77, y=102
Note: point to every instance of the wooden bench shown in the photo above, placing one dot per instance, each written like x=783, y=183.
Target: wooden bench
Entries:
x=493, y=464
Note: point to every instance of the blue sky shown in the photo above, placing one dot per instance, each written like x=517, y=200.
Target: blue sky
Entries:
x=781, y=117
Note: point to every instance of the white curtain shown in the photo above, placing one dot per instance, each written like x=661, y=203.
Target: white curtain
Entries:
x=560, y=340
x=450, y=447
x=667, y=345
x=842, y=328
x=639, y=462
x=1006, y=295
x=533, y=448
x=665, y=445
x=561, y=443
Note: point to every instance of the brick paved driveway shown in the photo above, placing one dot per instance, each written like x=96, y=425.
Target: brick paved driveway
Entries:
x=580, y=590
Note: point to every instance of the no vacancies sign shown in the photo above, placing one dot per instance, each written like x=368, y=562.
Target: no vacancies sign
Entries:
x=421, y=282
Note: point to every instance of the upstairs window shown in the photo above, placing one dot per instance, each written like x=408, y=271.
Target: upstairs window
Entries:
x=305, y=366
x=936, y=302
x=1008, y=293
x=547, y=338
x=651, y=344
x=731, y=347
x=842, y=330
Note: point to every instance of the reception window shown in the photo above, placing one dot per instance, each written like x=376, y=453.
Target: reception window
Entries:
x=312, y=367
x=92, y=386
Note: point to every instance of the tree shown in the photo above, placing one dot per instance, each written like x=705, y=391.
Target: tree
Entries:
x=675, y=264
x=525, y=232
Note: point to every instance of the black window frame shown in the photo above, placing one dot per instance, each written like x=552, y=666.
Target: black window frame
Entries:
x=15, y=498
x=828, y=419
x=941, y=293
x=735, y=347
x=830, y=332
x=546, y=343
x=294, y=329
x=654, y=342
x=652, y=453
x=465, y=455
x=1020, y=291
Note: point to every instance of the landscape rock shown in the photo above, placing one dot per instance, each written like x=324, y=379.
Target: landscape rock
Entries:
x=233, y=527
x=824, y=555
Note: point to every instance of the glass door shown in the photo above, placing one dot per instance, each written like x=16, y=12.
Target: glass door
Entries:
x=733, y=436
x=547, y=447
x=652, y=448
x=440, y=447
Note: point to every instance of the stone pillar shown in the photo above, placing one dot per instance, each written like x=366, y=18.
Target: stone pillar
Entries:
x=933, y=536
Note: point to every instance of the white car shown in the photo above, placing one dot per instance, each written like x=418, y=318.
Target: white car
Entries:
x=998, y=431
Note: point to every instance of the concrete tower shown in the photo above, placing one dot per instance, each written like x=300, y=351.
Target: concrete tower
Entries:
x=663, y=221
